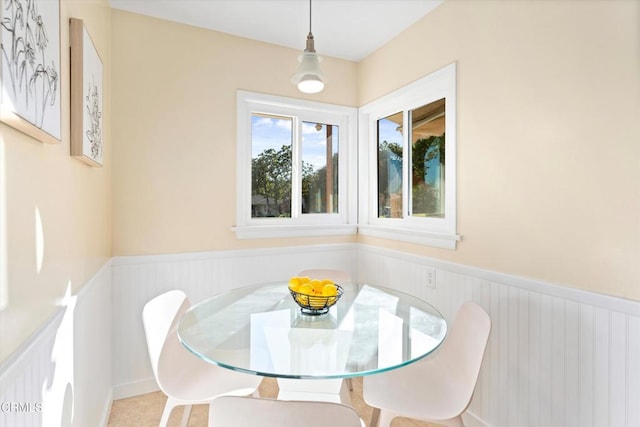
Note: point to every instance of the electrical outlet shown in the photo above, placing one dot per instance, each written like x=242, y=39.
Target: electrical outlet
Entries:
x=431, y=277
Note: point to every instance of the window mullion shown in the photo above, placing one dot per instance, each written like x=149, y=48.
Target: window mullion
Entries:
x=296, y=172
x=406, y=164
x=371, y=163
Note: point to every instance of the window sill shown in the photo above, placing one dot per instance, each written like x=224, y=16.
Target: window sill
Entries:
x=274, y=231
x=425, y=238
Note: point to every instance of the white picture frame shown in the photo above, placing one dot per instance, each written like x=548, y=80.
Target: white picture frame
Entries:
x=30, y=68
x=87, y=142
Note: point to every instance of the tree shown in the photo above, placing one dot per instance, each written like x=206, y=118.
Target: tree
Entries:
x=389, y=158
x=426, y=198
x=314, y=182
x=271, y=179
x=423, y=152
x=309, y=181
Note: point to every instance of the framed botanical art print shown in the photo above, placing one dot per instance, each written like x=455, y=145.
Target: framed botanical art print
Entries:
x=30, y=58
x=86, y=97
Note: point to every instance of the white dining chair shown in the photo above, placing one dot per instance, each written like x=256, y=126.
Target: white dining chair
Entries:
x=182, y=376
x=438, y=388
x=233, y=411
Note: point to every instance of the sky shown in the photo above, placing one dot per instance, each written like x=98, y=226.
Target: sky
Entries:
x=274, y=132
x=388, y=132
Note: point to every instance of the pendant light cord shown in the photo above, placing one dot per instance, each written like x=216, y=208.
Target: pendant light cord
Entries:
x=309, y=16
x=310, y=44
x=309, y=77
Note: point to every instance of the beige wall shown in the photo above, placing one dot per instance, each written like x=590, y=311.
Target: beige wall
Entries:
x=174, y=130
x=548, y=134
x=548, y=157
x=548, y=148
x=73, y=201
x=548, y=152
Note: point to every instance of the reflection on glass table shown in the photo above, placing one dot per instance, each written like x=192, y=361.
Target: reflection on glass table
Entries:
x=260, y=330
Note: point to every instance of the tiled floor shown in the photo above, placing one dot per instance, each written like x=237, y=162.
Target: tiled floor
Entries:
x=145, y=410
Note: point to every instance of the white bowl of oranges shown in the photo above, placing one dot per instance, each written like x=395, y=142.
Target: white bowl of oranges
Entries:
x=314, y=296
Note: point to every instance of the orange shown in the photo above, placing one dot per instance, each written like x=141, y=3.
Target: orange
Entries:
x=329, y=290
x=317, y=286
x=306, y=289
x=294, y=283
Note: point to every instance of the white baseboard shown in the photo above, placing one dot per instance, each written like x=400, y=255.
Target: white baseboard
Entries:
x=107, y=410
x=472, y=420
x=135, y=388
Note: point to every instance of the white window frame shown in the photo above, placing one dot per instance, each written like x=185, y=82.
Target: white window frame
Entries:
x=437, y=232
x=345, y=221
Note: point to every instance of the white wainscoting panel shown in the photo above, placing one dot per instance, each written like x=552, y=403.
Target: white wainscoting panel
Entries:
x=556, y=356
x=62, y=375
x=138, y=279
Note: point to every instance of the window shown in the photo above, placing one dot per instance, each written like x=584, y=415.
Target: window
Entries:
x=407, y=154
x=294, y=177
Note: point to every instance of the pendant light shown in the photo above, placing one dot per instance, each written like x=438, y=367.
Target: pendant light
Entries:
x=309, y=77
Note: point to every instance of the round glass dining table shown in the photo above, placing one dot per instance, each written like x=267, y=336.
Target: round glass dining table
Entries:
x=260, y=330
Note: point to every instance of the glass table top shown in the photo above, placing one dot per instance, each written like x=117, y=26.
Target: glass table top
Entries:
x=259, y=329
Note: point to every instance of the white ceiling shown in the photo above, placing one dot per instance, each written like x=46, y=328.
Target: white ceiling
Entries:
x=348, y=29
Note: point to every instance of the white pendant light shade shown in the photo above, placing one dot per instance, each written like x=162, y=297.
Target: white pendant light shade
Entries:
x=309, y=77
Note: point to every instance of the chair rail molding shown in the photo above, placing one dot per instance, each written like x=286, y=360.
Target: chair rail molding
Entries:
x=137, y=279
x=556, y=356
x=62, y=373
